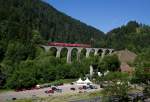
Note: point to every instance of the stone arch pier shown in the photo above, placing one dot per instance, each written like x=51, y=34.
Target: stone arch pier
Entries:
x=103, y=51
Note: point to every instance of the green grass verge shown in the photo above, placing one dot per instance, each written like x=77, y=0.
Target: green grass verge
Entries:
x=5, y=90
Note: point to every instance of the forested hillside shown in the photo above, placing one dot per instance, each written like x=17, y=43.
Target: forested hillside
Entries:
x=24, y=24
x=133, y=36
x=19, y=18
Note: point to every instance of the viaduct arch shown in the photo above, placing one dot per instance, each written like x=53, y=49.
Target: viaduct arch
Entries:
x=104, y=51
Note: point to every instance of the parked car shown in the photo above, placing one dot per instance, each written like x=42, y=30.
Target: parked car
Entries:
x=80, y=88
x=92, y=87
x=14, y=98
x=49, y=91
x=72, y=88
x=72, y=83
x=54, y=88
x=84, y=87
x=59, y=90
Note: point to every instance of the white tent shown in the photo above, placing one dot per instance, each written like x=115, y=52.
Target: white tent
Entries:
x=80, y=81
x=87, y=81
x=100, y=74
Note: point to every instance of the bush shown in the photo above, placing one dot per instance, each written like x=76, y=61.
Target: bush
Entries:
x=146, y=91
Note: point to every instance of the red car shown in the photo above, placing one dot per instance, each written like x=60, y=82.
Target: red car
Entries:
x=49, y=91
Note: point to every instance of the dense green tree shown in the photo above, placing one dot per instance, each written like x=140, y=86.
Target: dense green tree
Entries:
x=1, y=53
x=116, y=76
x=36, y=37
x=142, y=67
x=18, y=51
x=25, y=24
x=43, y=69
x=23, y=76
x=21, y=19
x=132, y=36
x=118, y=85
x=2, y=78
x=110, y=63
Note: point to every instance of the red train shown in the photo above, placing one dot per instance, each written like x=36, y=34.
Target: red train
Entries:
x=68, y=44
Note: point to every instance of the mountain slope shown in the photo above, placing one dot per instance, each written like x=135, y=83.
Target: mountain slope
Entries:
x=133, y=36
x=19, y=18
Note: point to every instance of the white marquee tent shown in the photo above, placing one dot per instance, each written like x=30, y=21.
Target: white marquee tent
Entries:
x=87, y=81
x=80, y=81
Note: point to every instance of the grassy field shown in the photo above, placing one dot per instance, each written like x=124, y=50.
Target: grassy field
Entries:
x=5, y=90
x=64, y=98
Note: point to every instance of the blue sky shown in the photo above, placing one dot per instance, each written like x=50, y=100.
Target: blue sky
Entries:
x=105, y=14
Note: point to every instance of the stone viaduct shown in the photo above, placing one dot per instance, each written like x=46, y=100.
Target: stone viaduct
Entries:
x=104, y=51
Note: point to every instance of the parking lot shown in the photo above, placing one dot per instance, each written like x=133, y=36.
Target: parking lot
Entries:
x=43, y=92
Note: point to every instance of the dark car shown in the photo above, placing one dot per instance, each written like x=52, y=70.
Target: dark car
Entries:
x=54, y=88
x=13, y=98
x=84, y=87
x=72, y=83
x=72, y=88
x=91, y=86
